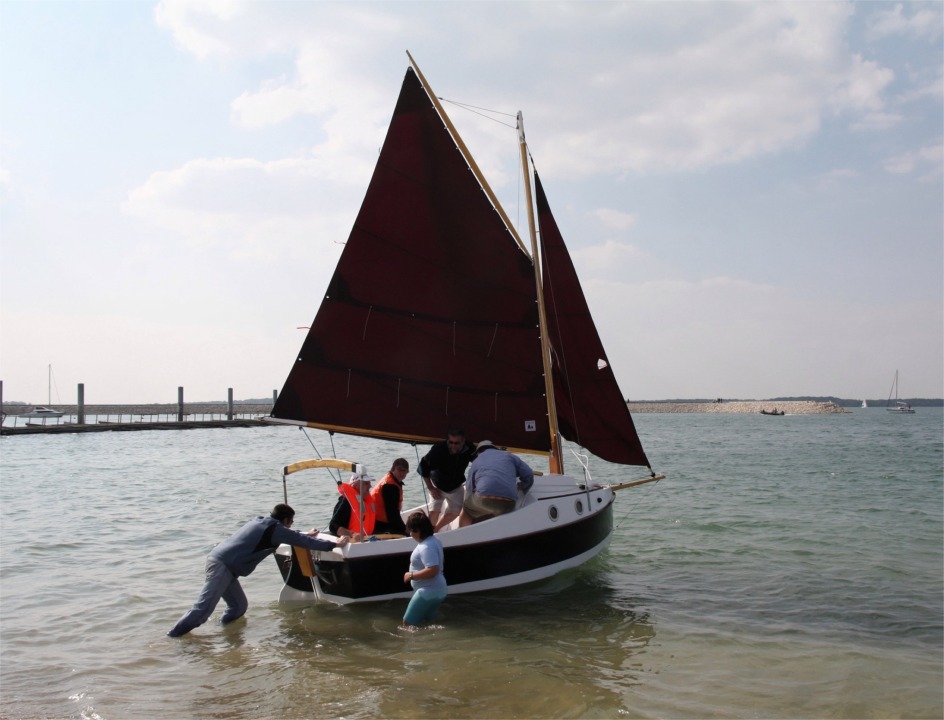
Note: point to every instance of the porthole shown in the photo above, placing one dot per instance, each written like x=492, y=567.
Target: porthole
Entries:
x=578, y=506
x=552, y=512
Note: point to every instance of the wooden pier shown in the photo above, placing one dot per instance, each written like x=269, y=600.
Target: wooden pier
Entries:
x=107, y=426
x=122, y=418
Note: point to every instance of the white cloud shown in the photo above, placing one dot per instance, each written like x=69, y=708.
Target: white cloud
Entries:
x=927, y=160
x=877, y=121
x=736, y=81
x=252, y=208
x=611, y=259
x=195, y=24
x=614, y=219
x=861, y=86
x=926, y=21
x=837, y=175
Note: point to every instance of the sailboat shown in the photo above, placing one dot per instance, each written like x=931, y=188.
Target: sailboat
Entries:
x=438, y=315
x=44, y=411
x=900, y=406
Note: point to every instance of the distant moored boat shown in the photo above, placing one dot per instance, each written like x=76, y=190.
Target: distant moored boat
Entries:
x=900, y=406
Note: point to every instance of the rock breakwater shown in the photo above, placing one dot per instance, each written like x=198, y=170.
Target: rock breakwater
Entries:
x=792, y=407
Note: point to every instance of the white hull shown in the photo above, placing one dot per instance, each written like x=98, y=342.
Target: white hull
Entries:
x=556, y=527
x=42, y=412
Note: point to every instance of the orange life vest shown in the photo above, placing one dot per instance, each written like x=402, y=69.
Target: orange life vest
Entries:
x=354, y=500
x=376, y=496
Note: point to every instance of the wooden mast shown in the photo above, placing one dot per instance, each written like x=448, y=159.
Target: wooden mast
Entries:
x=556, y=460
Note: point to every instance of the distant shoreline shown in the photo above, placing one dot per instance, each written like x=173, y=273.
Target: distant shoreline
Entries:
x=740, y=407
x=791, y=407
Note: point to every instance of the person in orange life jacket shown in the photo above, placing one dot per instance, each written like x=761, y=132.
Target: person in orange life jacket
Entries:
x=388, y=499
x=353, y=515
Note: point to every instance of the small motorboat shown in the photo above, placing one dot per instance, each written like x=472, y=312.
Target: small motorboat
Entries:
x=775, y=411
x=41, y=411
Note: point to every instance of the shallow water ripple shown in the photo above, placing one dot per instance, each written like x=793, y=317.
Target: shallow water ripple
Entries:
x=787, y=567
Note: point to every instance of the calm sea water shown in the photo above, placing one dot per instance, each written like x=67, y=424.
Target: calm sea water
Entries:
x=787, y=568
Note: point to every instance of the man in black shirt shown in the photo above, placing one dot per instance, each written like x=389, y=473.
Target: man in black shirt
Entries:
x=443, y=471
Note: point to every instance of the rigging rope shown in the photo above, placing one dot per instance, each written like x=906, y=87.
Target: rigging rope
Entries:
x=416, y=452
x=632, y=507
x=308, y=438
x=422, y=484
x=476, y=110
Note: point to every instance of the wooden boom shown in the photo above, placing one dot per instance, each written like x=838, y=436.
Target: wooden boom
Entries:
x=634, y=483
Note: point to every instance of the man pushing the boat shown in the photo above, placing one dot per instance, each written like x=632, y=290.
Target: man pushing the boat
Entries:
x=237, y=557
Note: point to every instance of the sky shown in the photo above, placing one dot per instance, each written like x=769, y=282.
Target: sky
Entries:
x=751, y=192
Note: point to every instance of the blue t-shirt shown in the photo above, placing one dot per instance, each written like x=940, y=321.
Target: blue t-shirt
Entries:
x=428, y=553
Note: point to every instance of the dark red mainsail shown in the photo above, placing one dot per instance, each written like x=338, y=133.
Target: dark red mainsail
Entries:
x=430, y=320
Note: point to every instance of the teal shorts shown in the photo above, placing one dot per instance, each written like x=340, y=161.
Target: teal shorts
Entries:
x=423, y=606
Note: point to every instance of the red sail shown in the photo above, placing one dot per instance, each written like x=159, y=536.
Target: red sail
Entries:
x=591, y=410
x=430, y=320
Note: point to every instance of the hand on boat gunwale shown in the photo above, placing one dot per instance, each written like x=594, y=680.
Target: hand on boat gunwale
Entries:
x=342, y=540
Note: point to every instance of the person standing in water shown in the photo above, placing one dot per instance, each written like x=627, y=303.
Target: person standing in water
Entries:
x=425, y=573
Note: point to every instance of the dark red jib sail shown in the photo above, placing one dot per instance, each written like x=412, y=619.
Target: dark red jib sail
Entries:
x=430, y=320
x=591, y=411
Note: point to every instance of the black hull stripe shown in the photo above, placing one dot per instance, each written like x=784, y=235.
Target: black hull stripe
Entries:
x=365, y=578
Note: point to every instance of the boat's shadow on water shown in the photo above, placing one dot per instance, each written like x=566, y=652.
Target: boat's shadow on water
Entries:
x=583, y=595
x=574, y=630
x=573, y=641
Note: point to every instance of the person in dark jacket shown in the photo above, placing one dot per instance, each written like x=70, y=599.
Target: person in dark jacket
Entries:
x=443, y=471
x=237, y=557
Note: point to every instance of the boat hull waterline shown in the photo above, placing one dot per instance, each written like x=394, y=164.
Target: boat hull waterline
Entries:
x=557, y=526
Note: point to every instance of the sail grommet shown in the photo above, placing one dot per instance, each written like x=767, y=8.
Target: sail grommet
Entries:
x=552, y=512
